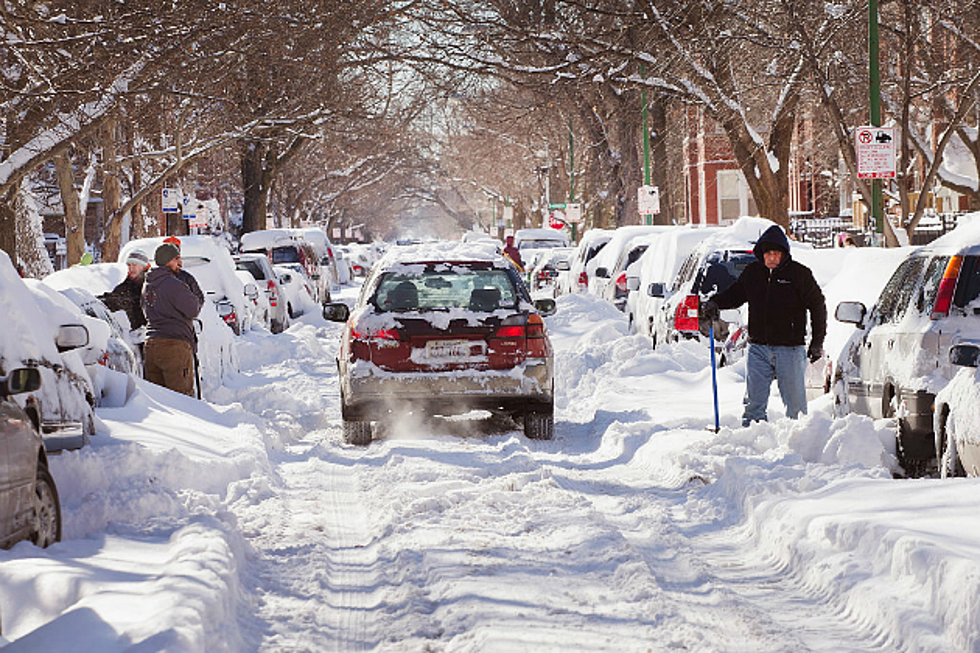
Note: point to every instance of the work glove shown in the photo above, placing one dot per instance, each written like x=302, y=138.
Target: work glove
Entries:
x=814, y=352
x=708, y=311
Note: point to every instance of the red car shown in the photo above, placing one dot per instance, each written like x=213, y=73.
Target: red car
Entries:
x=445, y=329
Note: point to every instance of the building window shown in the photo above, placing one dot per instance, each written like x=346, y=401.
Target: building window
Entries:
x=734, y=198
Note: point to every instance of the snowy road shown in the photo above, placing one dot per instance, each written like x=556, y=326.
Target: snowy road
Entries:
x=247, y=525
x=455, y=535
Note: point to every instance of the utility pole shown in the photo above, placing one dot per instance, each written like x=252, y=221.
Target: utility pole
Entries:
x=874, y=88
x=571, y=172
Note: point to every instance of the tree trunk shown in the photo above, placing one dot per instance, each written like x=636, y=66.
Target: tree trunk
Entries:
x=110, y=193
x=658, y=163
x=255, y=185
x=74, y=219
x=8, y=233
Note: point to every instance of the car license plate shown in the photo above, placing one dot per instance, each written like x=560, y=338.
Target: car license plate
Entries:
x=441, y=349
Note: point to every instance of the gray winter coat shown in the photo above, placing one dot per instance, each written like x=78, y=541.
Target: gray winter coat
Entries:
x=171, y=304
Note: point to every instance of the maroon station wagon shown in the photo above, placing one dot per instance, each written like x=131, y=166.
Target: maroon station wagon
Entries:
x=445, y=329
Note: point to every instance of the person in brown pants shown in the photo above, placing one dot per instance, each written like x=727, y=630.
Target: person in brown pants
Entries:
x=171, y=300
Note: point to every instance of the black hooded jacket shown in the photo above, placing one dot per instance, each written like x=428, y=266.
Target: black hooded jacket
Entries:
x=778, y=299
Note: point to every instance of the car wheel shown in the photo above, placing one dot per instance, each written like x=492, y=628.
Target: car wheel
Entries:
x=842, y=405
x=949, y=461
x=539, y=422
x=893, y=408
x=46, y=529
x=357, y=432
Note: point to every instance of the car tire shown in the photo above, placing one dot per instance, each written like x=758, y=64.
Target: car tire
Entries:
x=539, y=422
x=914, y=467
x=950, y=465
x=357, y=432
x=46, y=529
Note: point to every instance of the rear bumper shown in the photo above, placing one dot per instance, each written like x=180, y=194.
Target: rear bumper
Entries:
x=368, y=392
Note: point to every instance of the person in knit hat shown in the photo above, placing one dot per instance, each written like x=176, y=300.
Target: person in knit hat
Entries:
x=171, y=300
x=126, y=295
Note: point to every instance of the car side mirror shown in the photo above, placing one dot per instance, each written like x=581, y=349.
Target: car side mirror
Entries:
x=251, y=292
x=965, y=355
x=286, y=278
x=632, y=283
x=657, y=289
x=563, y=266
x=22, y=379
x=71, y=336
x=336, y=312
x=851, y=313
x=545, y=306
x=325, y=260
x=602, y=272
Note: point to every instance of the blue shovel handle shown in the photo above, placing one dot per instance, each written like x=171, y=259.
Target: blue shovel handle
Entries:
x=714, y=376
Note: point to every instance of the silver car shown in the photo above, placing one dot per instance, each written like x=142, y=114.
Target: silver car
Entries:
x=896, y=361
x=29, y=506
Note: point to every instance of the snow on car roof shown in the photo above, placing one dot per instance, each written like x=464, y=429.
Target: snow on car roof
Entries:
x=539, y=234
x=482, y=250
x=23, y=321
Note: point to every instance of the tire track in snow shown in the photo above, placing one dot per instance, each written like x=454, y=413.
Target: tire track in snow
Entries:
x=315, y=564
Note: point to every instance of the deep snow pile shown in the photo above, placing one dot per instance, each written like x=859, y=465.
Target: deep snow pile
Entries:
x=635, y=529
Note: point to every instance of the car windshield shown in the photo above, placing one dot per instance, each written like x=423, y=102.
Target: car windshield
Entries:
x=540, y=244
x=285, y=255
x=444, y=286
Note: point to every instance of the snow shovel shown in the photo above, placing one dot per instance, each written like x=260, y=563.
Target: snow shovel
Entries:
x=714, y=370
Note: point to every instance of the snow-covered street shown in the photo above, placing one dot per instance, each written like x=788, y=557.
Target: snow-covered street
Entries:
x=247, y=524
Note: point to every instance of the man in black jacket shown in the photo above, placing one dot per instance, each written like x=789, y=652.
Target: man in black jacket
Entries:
x=780, y=292
x=171, y=301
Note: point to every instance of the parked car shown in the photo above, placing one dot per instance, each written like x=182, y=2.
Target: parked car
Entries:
x=345, y=271
x=615, y=290
x=42, y=334
x=121, y=354
x=656, y=269
x=29, y=505
x=261, y=269
x=600, y=269
x=896, y=360
x=576, y=280
x=326, y=256
x=284, y=246
x=957, y=415
x=298, y=288
x=526, y=240
x=256, y=303
x=445, y=329
x=544, y=273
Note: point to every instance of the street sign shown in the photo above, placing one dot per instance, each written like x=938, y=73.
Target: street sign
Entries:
x=555, y=222
x=648, y=200
x=573, y=212
x=875, y=150
x=171, y=200
x=190, y=208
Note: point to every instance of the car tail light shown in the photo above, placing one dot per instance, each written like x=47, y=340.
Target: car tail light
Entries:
x=944, y=297
x=583, y=279
x=270, y=290
x=361, y=339
x=686, y=317
x=537, y=337
x=621, y=283
x=330, y=252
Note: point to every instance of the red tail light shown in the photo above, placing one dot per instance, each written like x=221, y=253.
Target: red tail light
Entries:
x=330, y=252
x=621, y=283
x=511, y=331
x=360, y=341
x=230, y=318
x=944, y=297
x=686, y=317
x=270, y=290
x=382, y=334
x=583, y=278
x=537, y=337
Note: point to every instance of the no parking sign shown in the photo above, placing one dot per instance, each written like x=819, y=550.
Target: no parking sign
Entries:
x=875, y=149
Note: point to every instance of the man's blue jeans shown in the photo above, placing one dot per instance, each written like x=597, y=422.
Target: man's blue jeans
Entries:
x=763, y=364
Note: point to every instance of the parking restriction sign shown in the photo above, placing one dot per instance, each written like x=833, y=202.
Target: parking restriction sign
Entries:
x=875, y=150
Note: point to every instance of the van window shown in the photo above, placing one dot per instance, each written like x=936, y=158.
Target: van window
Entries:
x=285, y=254
x=910, y=287
x=968, y=283
x=687, y=269
x=721, y=271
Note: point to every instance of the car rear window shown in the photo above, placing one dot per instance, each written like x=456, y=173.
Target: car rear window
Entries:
x=443, y=287
x=285, y=255
x=252, y=268
x=721, y=271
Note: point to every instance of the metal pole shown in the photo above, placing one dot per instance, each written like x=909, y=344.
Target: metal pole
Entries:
x=571, y=172
x=874, y=88
x=648, y=219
